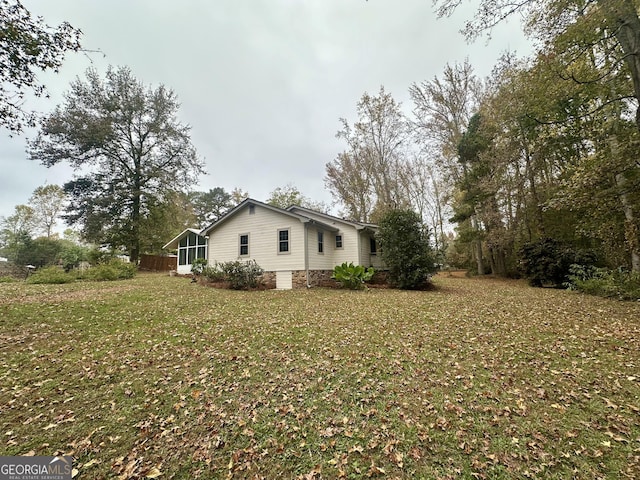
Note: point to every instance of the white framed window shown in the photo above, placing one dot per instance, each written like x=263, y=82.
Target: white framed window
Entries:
x=338, y=241
x=320, y=242
x=243, y=242
x=191, y=246
x=283, y=241
x=373, y=246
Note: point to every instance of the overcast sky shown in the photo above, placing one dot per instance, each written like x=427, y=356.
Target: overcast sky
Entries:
x=262, y=83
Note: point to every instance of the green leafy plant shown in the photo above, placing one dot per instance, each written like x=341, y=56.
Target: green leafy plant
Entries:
x=213, y=273
x=405, y=249
x=198, y=266
x=603, y=282
x=51, y=275
x=548, y=261
x=71, y=255
x=241, y=275
x=109, y=271
x=352, y=276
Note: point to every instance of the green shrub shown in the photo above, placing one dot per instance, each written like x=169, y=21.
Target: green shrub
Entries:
x=213, y=273
x=241, y=275
x=112, y=270
x=352, y=276
x=198, y=265
x=405, y=249
x=51, y=275
x=71, y=255
x=97, y=256
x=548, y=261
x=602, y=282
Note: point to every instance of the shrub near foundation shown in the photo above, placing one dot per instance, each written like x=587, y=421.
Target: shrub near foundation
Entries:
x=241, y=275
x=352, y=276
x=405, y=249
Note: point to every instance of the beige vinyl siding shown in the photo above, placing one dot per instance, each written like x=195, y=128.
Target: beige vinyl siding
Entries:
x=331, y=255
x=349, y=251
x=262, y=227
x=319, y=261
x=369, y=260
x=352, y=250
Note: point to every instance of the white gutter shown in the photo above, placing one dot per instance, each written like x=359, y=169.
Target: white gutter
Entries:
x=306, y=252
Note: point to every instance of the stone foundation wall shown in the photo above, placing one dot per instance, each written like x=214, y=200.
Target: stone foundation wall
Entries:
x=322, y=278
x=381, y=277
x=317, y=278
x=268, y=279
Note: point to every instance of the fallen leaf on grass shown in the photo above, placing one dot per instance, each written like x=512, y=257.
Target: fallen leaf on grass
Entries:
x=153, y=472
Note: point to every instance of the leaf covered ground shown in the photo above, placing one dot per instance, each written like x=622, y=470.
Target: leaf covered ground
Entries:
x=480, y=378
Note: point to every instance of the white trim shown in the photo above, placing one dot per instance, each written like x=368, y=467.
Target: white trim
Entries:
x=278, y=241
x=240, y=254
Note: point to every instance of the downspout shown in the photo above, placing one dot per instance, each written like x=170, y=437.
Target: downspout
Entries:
x=306, y=252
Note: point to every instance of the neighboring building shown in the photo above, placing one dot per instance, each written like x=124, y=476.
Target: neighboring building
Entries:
x=296, y=247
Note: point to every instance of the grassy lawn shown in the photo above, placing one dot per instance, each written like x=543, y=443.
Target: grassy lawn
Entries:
x=480, y=378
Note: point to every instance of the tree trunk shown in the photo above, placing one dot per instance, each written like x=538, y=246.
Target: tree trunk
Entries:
x=478, y=247
x=625, y=23
x=479, y=259
x=632, y=237
x=531, y=176
x=134, y=254
x=630, y=228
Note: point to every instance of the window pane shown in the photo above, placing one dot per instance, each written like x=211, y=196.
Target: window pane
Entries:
x=320, y=242
x=283, y=241
x=192, y=239
x=338, y=241
x=191, y=255
x=182, y=256
x=244, y=244
x=183, y=241
x=372, y=242
x=201, y=252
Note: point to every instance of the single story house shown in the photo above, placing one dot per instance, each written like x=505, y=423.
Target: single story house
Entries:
x=296, y=247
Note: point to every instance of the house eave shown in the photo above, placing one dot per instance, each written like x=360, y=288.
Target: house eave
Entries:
x=174, y=242
x=249, y=201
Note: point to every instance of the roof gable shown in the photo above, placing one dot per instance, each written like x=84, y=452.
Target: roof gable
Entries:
x=330, y=218
x=173, y=243
x=249, y=201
